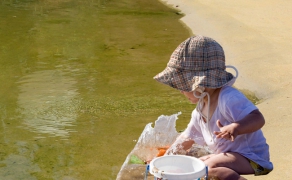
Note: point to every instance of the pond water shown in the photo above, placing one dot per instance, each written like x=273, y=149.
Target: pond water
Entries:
x=76, y=84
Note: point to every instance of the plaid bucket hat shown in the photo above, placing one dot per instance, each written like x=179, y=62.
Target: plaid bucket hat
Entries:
x=198, y=61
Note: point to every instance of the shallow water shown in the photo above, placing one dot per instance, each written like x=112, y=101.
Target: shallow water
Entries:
x=76, y=84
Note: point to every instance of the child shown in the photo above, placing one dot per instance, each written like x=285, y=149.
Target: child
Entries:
x=224, y=119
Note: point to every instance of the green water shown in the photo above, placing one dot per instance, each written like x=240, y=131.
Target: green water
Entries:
x=76, y=84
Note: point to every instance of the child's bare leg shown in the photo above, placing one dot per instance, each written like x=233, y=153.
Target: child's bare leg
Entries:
x=227, y=166
x=223, y=173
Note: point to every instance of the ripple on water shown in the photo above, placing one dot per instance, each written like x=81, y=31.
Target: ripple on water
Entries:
x=47, y=103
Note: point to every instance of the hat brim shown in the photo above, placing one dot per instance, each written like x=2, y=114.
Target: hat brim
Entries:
x=186, y=80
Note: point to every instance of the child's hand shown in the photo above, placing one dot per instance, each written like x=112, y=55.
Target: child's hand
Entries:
x=228, y=132
x=180, y=146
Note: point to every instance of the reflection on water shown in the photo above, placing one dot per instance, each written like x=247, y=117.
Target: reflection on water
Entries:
x=46, y=101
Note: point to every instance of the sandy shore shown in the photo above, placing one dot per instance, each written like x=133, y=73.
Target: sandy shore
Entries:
x=257, y=39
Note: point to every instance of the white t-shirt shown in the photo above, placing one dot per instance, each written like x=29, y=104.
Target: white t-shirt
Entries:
x=232, y=106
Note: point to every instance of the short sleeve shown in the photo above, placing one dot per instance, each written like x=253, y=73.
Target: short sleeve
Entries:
x=234, y=105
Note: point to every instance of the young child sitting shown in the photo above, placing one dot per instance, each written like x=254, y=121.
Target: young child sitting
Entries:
x=224, y=119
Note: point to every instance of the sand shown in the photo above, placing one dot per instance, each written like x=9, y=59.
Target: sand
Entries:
x=257, y=39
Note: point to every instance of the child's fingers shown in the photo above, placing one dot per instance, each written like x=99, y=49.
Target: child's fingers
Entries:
x=219, y=124
x=220, y=134
x=231, y=137
x=204, y=158
x=224, y=135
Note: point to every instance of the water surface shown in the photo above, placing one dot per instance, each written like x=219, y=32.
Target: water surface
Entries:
x=76, y=84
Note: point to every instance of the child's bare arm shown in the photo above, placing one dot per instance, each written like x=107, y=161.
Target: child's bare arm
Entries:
x=250, y=123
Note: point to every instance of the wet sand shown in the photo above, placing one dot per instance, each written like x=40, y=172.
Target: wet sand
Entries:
x=256, y=37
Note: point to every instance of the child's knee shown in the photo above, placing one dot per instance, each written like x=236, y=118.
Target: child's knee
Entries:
x=212, y=164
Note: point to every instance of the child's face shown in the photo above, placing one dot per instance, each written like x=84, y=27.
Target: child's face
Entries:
x=190, y=97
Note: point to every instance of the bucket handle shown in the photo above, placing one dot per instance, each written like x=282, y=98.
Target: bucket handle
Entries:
x=146, y=172
x=206, y=176
x=157, y=173
x=206, y=172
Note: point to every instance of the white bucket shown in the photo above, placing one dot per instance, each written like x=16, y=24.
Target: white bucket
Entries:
x=177, y=167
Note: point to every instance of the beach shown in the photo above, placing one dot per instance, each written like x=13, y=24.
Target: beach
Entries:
x=256, y=37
